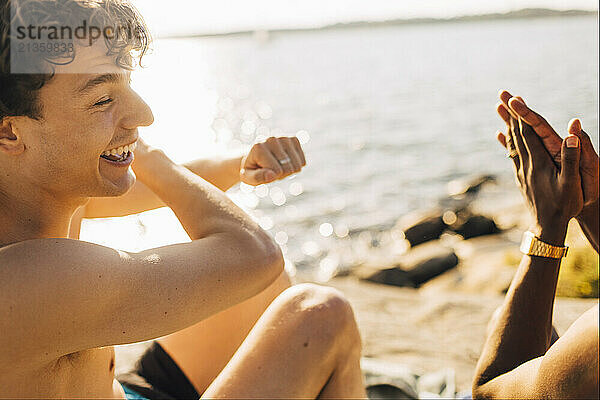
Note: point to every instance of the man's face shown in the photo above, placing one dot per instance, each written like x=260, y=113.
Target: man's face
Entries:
x=84, y=116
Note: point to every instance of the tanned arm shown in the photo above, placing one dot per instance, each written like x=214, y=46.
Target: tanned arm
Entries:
x=60, y=296
x=261, y=165
x=223, y=174
x=517, y=360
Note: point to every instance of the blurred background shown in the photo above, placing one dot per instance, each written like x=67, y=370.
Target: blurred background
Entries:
x=392, y=101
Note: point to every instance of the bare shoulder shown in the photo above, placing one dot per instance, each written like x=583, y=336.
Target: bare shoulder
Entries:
x=48, y=247
x=47, y=289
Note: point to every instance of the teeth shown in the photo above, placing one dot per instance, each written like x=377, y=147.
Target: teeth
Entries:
x=122, y=151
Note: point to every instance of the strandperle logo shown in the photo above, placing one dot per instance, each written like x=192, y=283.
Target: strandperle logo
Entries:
x=67, y=33
x=37, y=37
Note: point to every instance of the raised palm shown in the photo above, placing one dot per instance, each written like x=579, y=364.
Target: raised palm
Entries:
x=589, y=162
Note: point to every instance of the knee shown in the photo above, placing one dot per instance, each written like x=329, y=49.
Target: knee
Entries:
x=321, y=309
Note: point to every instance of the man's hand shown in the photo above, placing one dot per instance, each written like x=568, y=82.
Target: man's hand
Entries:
x=515, y=107
x=273, y=159
x=553, y=196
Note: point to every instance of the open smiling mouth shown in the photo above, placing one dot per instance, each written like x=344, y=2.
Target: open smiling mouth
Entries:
x=120, y=155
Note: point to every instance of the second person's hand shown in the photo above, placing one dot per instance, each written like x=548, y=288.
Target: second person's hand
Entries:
x=516, y=107
x=553, y=196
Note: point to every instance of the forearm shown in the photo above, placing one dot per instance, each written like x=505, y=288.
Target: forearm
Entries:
x=221, y=173
x=522, y=330
x=589, y=223
x=199, y=206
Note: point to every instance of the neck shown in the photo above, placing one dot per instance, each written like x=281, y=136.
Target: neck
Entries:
x=37, y=216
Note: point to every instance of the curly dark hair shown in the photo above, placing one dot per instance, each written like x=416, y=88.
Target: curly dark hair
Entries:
x=19, y=91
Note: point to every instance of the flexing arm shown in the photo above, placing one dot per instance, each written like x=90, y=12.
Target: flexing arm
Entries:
x=60, y=296
x=516, y=361
x=260, y=165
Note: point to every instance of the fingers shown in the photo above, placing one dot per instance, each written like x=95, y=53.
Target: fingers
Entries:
x=281, y=155
x=257, y=177
x=298, y=147
x=552, y=141
x=290, y=149
x=502, y=139
x=517, y=108
x=504, y=113
x=517, y=137
x=574, y=127
x=511, y=152
x=265, y=158
x=569, y=173
x=587, y=147
x=506, y=141
x=505, y=98
x=536, y=151
x=273, y=159
x=533, y=119
x=588, y=164
x=260, y=166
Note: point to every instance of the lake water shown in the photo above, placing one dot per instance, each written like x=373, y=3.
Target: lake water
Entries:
x=388, y=116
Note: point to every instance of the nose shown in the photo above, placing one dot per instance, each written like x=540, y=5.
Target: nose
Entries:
x=138, y=113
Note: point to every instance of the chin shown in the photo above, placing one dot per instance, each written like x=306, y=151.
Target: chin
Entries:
x=115, y=178
x=114, y=186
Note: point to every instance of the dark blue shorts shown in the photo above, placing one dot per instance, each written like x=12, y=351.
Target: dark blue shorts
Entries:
x=156, y=376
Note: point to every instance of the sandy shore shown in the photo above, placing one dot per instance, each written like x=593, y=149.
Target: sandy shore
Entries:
x=430, y=331
x=425, y=330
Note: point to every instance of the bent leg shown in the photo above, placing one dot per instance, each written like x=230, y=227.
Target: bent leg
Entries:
x=202, y=350
x=306, y=345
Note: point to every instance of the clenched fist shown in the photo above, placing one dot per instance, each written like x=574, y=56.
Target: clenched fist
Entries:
x=273, y=159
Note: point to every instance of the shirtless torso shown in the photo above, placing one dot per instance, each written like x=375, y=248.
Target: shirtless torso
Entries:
x=84, y=374
x=64, y=302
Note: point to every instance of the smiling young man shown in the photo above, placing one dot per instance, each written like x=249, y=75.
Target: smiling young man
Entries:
x=68, y=136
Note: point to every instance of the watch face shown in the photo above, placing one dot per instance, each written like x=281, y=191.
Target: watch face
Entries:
x=526, y=244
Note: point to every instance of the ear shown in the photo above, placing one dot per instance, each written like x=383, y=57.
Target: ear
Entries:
x=10, y=142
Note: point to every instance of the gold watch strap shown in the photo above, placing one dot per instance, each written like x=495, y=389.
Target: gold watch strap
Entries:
x=532, y=246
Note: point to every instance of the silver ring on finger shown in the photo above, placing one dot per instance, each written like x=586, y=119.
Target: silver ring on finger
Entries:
x=286, y=160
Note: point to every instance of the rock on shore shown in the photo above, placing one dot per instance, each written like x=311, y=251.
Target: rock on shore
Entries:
x=432, y=330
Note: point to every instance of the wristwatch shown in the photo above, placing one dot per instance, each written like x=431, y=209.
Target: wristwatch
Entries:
x=532, y=246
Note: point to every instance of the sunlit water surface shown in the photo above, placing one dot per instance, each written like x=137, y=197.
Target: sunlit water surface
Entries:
x=388, y=116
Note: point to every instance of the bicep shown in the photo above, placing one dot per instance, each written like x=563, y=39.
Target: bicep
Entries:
x=59, y=296
x=568, y=369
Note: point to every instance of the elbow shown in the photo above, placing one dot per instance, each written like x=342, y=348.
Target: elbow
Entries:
x=265, y=257
x=273, y=257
